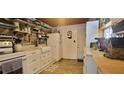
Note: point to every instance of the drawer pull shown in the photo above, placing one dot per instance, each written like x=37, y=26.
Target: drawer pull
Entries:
x=33, y=53
x=34, y=69
x=34, y=60
x=24, y=59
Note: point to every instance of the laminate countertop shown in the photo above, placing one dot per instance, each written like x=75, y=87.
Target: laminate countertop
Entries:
x=23, y=52
x=17, y=54
x=107, y=65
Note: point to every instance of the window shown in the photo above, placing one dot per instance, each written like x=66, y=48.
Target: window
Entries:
x=108, y=32
x=106, y=20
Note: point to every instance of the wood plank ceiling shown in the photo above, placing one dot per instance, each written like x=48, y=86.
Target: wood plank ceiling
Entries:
x=63, y=21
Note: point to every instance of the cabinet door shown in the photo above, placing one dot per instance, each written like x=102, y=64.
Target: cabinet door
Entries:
x=33, y=67
x=33, y=61
x=44, y=59
x=49, y=54
x=91, y=67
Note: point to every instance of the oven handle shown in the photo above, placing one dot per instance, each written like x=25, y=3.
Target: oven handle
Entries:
x=13, y=58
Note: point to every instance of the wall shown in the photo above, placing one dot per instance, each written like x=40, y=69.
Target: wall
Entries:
x=101, y=33
x=69, y=48
x=81, y=39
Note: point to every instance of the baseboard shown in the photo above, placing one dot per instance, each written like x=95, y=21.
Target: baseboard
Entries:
x=69, y=59
x=60, y=59
x=80, y=60
x=45, y=67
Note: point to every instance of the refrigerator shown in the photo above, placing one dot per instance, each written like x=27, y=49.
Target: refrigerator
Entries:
x=54, y=41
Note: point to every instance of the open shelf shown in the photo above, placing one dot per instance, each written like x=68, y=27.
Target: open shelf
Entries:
x=23, y=32
x=24, y=22
x=6, y=26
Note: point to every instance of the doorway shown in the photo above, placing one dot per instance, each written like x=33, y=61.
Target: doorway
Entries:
x=70, y=44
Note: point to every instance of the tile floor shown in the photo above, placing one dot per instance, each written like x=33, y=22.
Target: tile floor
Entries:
x=65, y=66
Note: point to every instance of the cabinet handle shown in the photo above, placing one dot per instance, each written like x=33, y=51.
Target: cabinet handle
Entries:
x=33, y=53
x=34, y=69
x=33, y=60
x=24, y=59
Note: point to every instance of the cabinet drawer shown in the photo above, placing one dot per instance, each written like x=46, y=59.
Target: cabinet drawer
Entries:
x=33, y=59
x=43, y=56
x=41, y=62
x=35, y=52
x=49, y=54
x=50, y=60
x=33, y=67
x=32, y=52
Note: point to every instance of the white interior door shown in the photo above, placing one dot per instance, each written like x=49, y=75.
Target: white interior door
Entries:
x=69, y=45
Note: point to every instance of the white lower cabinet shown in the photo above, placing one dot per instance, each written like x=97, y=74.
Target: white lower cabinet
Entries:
x=46, y=58
x=36, y=61
x=32, y=63
x=90, y=66
x=33, y=67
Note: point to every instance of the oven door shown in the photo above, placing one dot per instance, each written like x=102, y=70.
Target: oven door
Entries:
x=12, y=66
